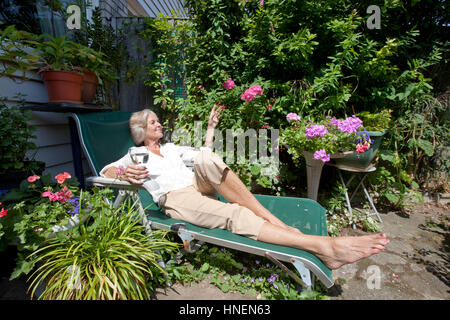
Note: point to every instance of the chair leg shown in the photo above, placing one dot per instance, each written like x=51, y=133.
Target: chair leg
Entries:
x=305, y=274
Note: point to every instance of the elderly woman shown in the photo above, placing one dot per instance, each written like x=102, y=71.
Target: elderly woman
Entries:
x=192, y=196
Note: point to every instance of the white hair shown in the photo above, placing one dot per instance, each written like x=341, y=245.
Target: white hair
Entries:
x=138, y=125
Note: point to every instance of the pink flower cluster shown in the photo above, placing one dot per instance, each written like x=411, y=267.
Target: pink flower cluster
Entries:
x=349, y=125
x=315, y=131
x=3, y=212
x=61, y=196
x=292, y=117
x=322, y=155
x=228, y=84
x=251, y=93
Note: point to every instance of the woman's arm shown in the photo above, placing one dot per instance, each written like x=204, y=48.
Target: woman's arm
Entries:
x=213, y=121
x=123, y=169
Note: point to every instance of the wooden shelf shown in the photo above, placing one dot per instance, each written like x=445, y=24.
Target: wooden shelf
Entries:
x=67, y=108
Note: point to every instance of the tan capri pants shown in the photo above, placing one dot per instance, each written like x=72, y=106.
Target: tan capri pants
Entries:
x=198, y=204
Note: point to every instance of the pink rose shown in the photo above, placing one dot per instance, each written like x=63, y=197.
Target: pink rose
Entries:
x=228, y=84
x=251, y=93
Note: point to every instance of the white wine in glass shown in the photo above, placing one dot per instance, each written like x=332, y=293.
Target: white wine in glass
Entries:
x=139, y=155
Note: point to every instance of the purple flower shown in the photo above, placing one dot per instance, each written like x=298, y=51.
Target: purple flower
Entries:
x=322, y=155
x=292, y=117
x=272, y=278
x=335, y=122
x=275, y=286
x=76, y=208
x=350, y=125
x=315, y=131
x=257, y=261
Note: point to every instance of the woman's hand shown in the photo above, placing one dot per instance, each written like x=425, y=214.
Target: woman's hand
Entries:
x=214, y=117
x=213, y=121
x=133, y=173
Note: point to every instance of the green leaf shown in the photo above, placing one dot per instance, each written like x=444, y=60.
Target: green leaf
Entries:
x=426, y=146
x=205, y=267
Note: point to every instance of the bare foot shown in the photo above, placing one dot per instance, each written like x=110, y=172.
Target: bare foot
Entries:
x=344, y=250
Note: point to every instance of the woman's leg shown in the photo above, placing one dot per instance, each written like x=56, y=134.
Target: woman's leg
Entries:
x=334, y=252
x=212, y=174
x=234, y=190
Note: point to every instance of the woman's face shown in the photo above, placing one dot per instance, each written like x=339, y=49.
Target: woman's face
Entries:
x=154, y=128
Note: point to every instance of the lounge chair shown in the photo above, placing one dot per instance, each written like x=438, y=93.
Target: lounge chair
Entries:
x=105, y=137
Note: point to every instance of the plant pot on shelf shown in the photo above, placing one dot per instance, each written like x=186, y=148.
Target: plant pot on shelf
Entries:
x=63, y=86
x=89, y=88
x=363, y=160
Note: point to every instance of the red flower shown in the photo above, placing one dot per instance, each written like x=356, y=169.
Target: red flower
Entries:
x=265, y=126
x=269, y=107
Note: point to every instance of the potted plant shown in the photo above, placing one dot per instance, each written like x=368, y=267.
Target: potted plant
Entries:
x=55, y=57
x=375, y=126
x=112, y=258
x=323, y=140
x=38, y=210
x=95, y=70
x=15, y=141
x=63, y=64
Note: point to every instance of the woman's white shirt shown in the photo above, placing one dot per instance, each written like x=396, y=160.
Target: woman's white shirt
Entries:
x=167, y=173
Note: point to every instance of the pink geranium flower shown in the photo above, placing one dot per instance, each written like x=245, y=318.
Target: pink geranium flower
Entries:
x=62, y=177
x=33, y=178
x=228, y=84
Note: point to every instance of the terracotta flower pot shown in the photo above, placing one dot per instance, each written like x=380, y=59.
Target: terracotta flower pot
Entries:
x=63, y=86
x=89, y=88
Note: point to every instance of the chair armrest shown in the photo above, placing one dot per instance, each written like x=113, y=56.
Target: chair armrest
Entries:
x=114, y=183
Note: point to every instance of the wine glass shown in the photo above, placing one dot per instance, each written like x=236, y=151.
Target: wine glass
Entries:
x=139, y=155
